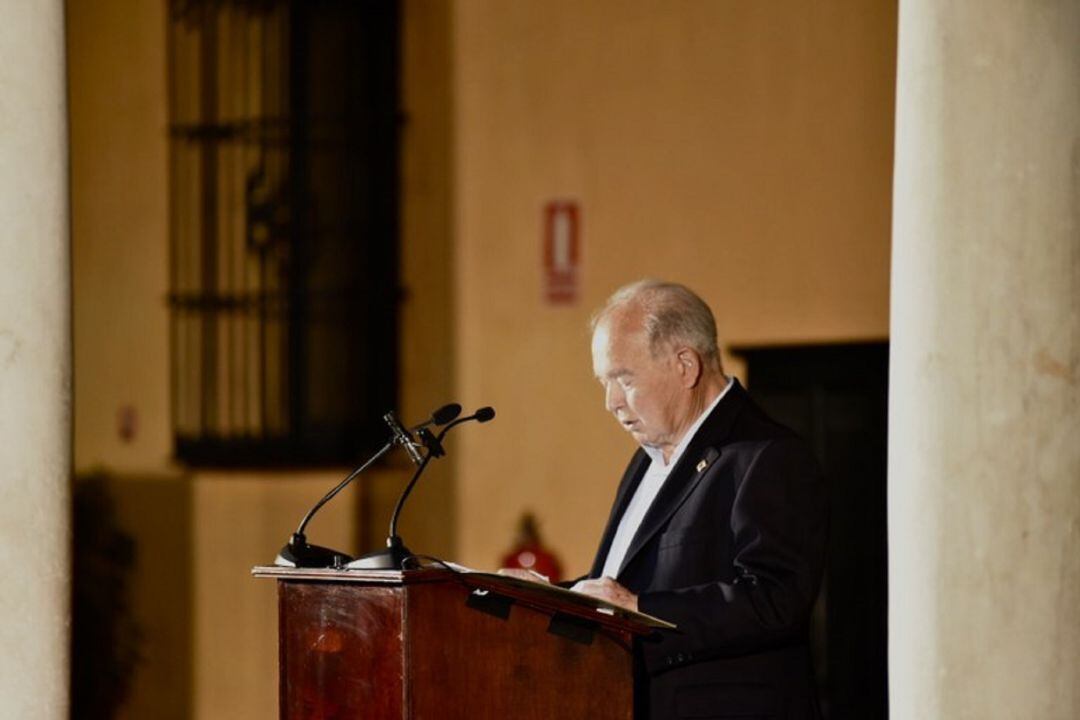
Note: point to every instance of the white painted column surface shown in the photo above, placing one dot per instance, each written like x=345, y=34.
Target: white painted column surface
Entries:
x=984, y=437
x=35, y=363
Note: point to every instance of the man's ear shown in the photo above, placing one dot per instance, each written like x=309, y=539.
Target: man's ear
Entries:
x=689, y=364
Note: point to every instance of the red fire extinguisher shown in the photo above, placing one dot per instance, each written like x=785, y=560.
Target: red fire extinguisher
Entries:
x=529, y=552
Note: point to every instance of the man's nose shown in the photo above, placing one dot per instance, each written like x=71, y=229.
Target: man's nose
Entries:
x=613, y=397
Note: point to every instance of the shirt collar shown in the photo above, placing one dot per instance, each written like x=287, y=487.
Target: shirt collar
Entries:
x=657, y=455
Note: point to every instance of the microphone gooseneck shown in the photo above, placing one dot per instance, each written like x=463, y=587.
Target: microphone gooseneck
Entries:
x=298, y=553
x=396, y=552
x=339, y=487
x=482, y=416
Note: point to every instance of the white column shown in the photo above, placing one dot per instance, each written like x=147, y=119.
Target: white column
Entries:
x=984, y=437
x=35, y=365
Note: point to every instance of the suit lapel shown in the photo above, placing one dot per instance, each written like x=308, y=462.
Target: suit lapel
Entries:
x=627, y=486
x=695, y=462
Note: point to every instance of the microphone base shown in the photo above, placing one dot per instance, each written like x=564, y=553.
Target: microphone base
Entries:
x=389, y=559
x=299, y=554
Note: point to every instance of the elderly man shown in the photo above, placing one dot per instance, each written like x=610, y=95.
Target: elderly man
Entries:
x=718, y=524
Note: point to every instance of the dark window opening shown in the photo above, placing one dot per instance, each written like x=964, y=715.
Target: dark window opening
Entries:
x=283, y=228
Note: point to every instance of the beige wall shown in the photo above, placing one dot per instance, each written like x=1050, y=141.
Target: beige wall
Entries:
x=741, y=148
x=118, y=117
x=427, y=347
x=116, y=85
x=116, y=58
x=241, y=520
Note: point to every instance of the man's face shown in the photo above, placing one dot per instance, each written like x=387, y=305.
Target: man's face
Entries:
x=646, y=394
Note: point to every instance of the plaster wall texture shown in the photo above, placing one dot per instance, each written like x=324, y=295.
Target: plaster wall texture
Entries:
x=119, y=227
x=744, y=149
x=984, y=467
x=35, y=363
x=241, y=519
x=119, y=162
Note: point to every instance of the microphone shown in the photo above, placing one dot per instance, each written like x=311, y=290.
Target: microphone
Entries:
x=298, y=552
x=434, y=443
x=395, y=553
x=440, y=417
x=403, y=437
x=481, y=416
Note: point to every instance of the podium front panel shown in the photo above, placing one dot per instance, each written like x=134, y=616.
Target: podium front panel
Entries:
x=428, y=646
x=467, y=664
x=340, y=651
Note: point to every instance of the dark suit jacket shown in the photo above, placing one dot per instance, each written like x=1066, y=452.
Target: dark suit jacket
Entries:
x=731, y=551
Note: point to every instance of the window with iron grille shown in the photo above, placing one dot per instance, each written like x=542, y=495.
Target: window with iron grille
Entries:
x=283, y=228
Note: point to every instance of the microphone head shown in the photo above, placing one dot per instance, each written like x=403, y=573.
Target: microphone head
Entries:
x=445, y=414
x=484, y=414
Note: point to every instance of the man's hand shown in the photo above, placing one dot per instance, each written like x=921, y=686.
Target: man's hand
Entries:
x=607, y=589
x=522, y=574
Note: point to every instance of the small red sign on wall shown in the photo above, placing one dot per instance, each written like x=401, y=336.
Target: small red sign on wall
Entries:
x=562, y=251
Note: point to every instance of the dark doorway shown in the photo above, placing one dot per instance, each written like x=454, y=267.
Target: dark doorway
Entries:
x=836, y=396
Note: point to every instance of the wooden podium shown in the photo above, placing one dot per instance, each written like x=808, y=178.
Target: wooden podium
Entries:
x=435, y=644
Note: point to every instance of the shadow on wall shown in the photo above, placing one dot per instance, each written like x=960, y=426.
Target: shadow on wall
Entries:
x=131, y=640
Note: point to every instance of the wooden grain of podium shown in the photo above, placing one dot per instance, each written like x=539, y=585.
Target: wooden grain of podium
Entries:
x=434, y=644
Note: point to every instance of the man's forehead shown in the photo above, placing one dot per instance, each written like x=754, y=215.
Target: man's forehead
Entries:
x=605, y=342
x=626, y=318
x=619, y=326
x=615, y=348
x=602, y=351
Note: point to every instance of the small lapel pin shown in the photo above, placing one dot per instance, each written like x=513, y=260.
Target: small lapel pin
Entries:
x=702, y=464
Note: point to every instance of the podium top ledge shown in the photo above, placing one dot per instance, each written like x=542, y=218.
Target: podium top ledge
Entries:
x=539, y=596
x=383, y=577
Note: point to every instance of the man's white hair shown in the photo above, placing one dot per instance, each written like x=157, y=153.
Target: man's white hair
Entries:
x=673, y=313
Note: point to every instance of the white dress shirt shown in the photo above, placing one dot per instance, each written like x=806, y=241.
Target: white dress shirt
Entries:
x=648, y=489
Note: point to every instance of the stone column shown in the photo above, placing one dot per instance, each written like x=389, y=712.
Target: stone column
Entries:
x=984, y=438
x=35, y=364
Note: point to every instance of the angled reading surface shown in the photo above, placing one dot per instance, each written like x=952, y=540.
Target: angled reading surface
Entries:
x=538, y=594
x=570, y=597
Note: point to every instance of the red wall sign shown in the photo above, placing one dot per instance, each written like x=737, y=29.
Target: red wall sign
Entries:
x=562, y=251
